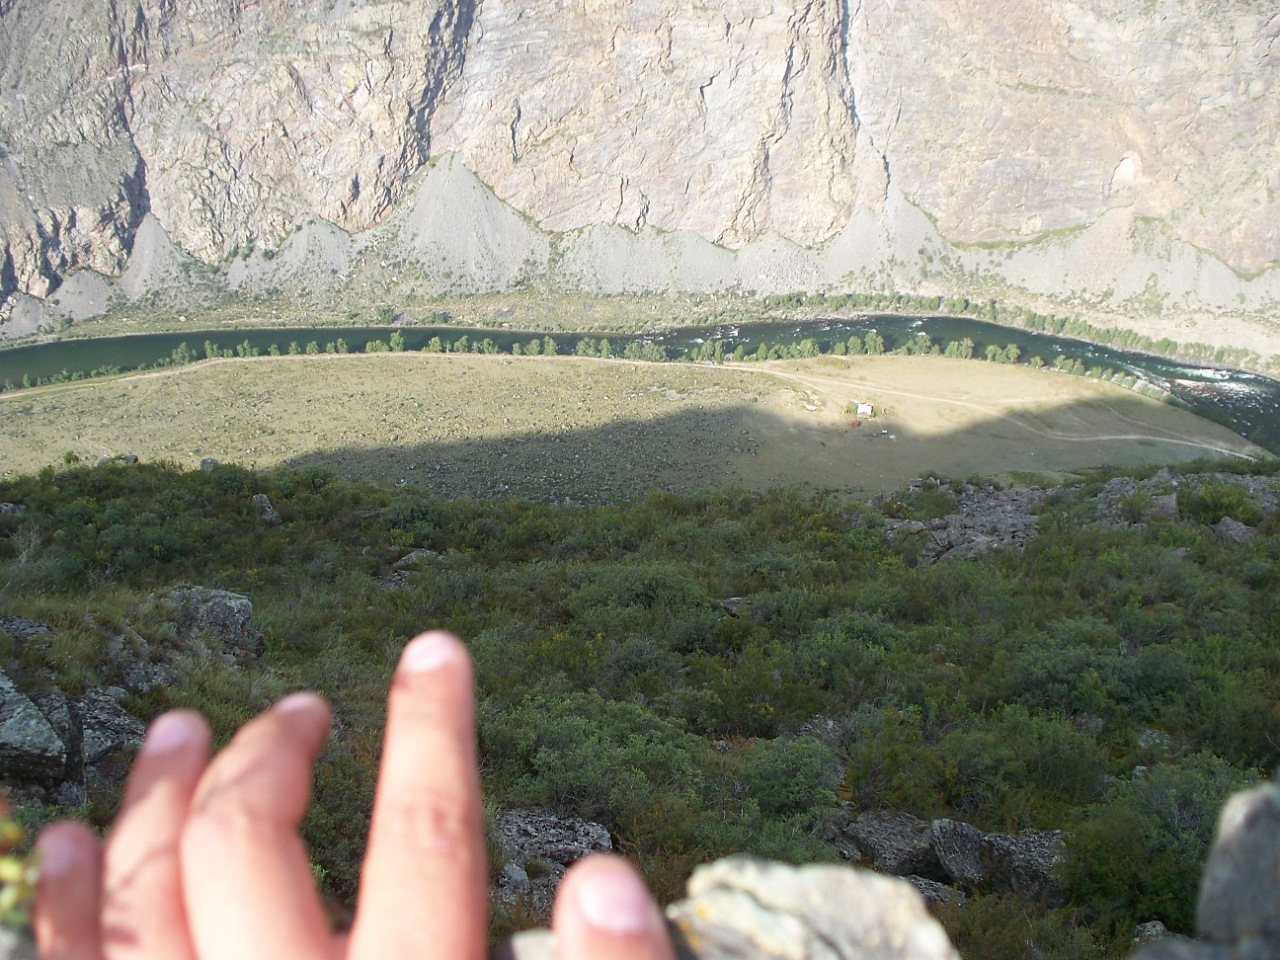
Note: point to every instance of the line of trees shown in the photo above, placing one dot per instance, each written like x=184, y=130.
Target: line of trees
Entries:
x=706, y=351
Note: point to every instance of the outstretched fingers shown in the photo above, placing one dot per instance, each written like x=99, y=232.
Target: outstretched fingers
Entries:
x=604, y=910
x=247, y=880
x=423, y=885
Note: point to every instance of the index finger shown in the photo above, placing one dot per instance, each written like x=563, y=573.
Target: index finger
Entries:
x=423, y=882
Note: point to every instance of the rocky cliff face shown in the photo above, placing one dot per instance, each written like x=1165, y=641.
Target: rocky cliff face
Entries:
x=1115, y=156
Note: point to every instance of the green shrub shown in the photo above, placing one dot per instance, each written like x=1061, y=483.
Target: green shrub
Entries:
x=1017, y=769
x=591, y=757
x=1138, y=854
x=1216, y=500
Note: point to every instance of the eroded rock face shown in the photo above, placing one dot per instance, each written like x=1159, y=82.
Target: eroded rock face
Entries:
x=1017, y=118
x=731, y=121
x=1095, y=145
x=253, y=118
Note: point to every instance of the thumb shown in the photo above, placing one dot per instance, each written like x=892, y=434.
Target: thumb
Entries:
x=604, y=910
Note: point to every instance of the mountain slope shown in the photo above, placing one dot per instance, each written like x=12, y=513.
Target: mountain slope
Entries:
x=1117, y=158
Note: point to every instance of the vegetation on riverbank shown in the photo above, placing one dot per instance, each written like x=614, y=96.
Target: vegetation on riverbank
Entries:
x=553, y=313
x=1115, y=681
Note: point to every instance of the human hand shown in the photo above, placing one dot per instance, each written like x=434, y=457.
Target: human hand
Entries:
x=204, y=861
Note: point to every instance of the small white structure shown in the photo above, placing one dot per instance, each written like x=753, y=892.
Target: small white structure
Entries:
x=866, y=411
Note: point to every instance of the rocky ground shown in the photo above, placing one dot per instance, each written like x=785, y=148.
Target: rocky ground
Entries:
x=988, y=517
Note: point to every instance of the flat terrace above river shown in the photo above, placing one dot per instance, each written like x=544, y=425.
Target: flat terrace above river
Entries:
x=594, y=430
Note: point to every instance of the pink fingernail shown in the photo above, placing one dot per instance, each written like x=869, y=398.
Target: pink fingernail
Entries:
x=303, y=700
x=615, y=900
x=59, y=854
x=428, y=652
x=170, y=731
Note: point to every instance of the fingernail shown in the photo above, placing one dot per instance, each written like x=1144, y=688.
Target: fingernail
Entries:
x=303, y=700
x=59, y=854
x=615, y=901
x=427, y=652
x=169, y=731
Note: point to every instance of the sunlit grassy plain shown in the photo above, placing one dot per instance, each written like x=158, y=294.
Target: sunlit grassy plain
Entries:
x=593, y=430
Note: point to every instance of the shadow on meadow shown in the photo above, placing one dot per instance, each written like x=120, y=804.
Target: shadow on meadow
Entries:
x=753, y=447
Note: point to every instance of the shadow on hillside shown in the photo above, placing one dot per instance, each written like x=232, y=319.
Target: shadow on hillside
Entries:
x=753, y=447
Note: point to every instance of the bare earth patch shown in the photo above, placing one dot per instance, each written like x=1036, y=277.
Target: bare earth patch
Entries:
x=593, y=430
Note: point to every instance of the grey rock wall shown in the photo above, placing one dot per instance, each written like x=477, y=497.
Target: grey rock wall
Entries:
x=1114, y=156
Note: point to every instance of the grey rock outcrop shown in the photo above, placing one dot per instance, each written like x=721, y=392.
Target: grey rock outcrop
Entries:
x=417, y=557
x=743, y=908
x=935, y=893
x=1024, y=861
x=67, y=721
x=986, y=518
x=23, y=629
x=1159, y=495
x=958, y=847
x=533, y=832
x=897, y=843
x=52, y=742
x=1233, y=531
x=266, y=510
x=30, y=749
x=950, y=853
x=539, y=846
x=220, y=615
x=107, y=726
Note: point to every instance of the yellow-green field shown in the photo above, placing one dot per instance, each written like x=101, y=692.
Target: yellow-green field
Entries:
x=591, y=430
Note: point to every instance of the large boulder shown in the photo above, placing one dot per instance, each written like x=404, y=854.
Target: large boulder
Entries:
x=532, y=832
x=958, y=847
x=1024, y=861
x=51, y=742
x=896, y=843
x=31, y=752
x=743, y=908
x=1233, y=531
x=219, y=615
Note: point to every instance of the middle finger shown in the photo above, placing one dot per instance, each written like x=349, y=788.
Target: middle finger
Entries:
x=248, y=881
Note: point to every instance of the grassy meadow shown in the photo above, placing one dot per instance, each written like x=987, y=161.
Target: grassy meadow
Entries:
x=598, y=430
